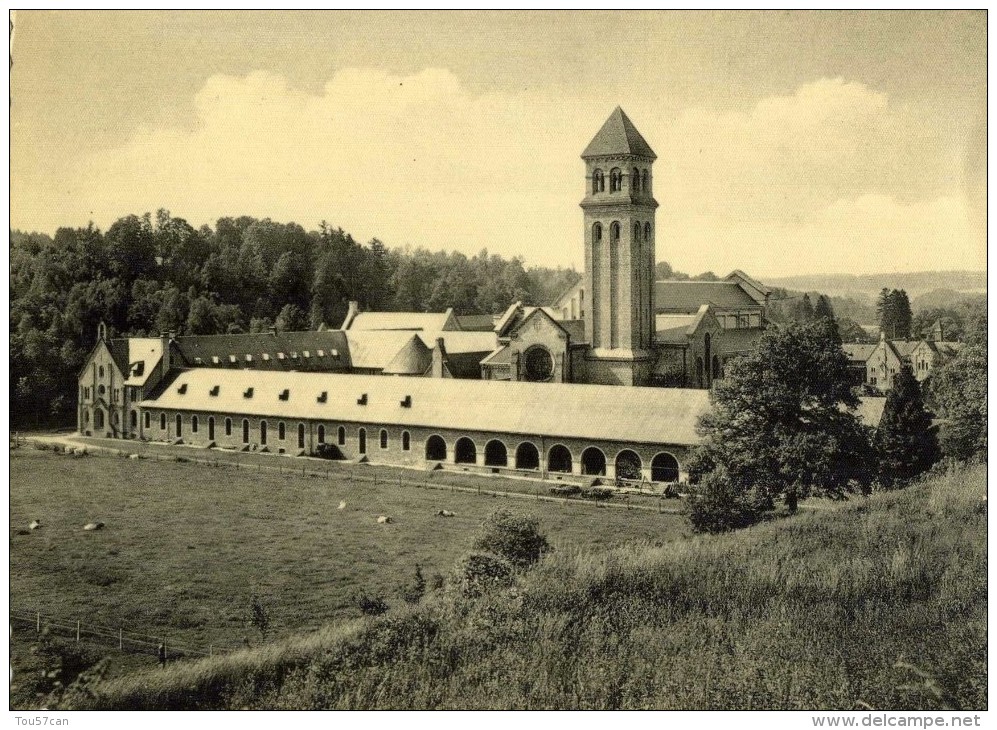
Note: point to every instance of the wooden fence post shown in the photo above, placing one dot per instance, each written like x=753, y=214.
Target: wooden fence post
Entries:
x=121, y=639
x=77, y=632
x=38, y=623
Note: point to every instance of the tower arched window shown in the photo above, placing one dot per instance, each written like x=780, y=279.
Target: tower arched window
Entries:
x=614, y=232
x=598, y=182
x=615, y=180
x=636, y=231
x=647, y=231
x=635, y=180
x=597, y=232
x=646, y=182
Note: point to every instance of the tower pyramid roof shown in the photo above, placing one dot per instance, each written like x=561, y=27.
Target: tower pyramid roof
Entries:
x=413, y=359
x=618, y=136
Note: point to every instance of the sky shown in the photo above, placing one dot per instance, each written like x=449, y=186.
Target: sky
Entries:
x=787, y=142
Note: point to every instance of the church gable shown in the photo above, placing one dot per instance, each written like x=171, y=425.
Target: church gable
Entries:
x=538, y=348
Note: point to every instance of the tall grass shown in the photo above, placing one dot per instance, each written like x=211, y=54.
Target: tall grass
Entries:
x=880, y=604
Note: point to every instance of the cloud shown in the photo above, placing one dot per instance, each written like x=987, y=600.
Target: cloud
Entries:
x=829, y=176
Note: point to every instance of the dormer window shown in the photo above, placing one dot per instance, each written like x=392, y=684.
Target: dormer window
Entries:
x=362, y=400
x=323, y=396
x=215, y=390
x=215, y=360
x=306, y=353
x=233, y=359
x=335, y=353
x=247, y=393
x=281, y=356
x=284, y=394
x=321, y=353
x=249, y=358
x=198, y=361
x=265, y=356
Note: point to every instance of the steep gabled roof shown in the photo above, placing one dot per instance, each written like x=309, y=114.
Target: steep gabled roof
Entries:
x=326, y=351
x=689, y=296
x=618, y=136
x=413, y=321
x=858, y=351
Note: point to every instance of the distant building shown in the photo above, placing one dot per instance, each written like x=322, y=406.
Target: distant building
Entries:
x=876, y=366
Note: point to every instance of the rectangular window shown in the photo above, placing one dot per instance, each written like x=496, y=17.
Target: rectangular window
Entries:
x=148, y=419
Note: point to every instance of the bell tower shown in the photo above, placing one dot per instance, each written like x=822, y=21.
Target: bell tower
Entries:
x=619, y=254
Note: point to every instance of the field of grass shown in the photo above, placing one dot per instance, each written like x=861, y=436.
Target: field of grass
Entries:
x=186, y=545
x=881, y=604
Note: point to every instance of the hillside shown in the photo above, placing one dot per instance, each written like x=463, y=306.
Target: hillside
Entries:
x=881, y=603
x=915, y=283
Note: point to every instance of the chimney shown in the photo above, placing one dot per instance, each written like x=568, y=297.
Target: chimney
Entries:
x=165, y=339
x=351, y=312
x=439, y=359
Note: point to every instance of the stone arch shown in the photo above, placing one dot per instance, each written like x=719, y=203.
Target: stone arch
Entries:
x=647, y=231
x=635, y=180
x=628, y=465
x=593, y=461
x=559, y=459
x=598, y=181
x=615, y=180
x=496, y=454
x=664, y=468
x=527, y=456
x=436, y=448
x=597, y=232
x=464, y=451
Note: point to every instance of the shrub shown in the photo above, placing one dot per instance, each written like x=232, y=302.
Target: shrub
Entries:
x=598, y=493
x=476, y=573
x=370, y=605
x=718, y=504
x=328, y=451
x=259, y=617
x=414, y=591
x=516, y=538
x=566, y=490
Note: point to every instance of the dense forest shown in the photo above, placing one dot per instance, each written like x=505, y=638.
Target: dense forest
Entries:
x=150, y=274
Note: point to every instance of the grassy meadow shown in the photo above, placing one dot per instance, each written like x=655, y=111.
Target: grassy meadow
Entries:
x=882, y=604
x=186, y=545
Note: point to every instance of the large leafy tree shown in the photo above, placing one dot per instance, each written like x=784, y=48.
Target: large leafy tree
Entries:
x=959, y=391
x=783, y=422
x=906, y=443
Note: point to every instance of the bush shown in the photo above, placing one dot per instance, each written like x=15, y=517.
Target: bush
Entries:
x=414, y=591
x=370, y=605
x=516, y=538
x=566, y=490
x=719, y=504
x=328, y=451
x=476, y=573
x=598, y=493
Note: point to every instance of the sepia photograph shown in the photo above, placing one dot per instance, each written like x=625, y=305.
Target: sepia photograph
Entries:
x=499, y=360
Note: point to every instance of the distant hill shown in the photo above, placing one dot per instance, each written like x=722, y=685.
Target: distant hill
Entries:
x=916, y=283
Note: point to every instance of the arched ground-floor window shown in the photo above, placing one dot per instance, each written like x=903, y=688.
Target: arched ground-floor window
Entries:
x=321, y=434
x=362, y=440
x=593, y=462
x=436, y=448
x=301, y=435
x=245, y=431
x=628, y=465
x=527, y=456
x=559, y=459
x=179, y=425
x=464, y=451
x=495, y=454
x=211, y=428
x=664, y=468
x=263, y=433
